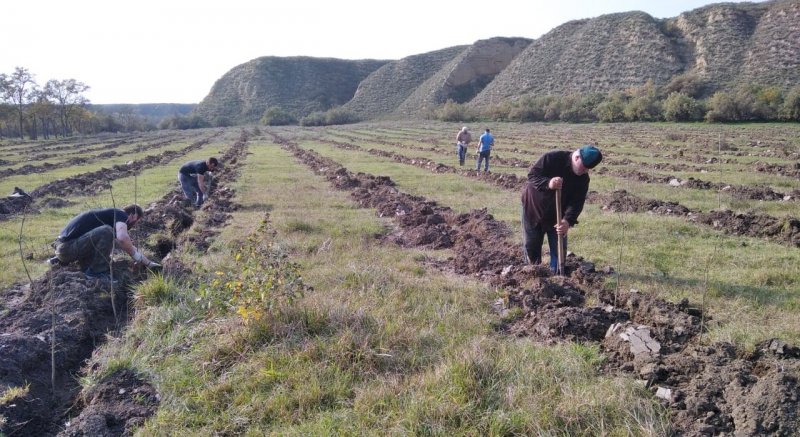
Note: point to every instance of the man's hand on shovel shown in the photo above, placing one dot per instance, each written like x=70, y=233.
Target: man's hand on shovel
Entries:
x=562, y=228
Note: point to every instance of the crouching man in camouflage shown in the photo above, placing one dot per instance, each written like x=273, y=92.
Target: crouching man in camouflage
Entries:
x=90, y=237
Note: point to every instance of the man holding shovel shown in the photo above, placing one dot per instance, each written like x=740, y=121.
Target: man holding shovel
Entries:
x=552, y=200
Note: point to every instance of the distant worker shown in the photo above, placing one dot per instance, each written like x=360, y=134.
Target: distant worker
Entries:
x=557, y=170
x=192, y=179
x=485, y=144
x=89, y=239
x=462, y=142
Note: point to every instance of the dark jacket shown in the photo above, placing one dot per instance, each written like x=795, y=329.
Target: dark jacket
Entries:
x=539, y=201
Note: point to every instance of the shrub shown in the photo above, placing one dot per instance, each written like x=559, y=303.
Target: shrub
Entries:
x=611, y=109
x=262, y=278
x=329, y=117
x=181, y=122
x=791, y=105
x=643, y=108
x=316, y=118
x=452, y=111
x=498, y=112
x=340, y=116
x=578, y=108
x=688, y=84
x=680, y=107
x=767, y=102
x=723, y=107
x=276, y=116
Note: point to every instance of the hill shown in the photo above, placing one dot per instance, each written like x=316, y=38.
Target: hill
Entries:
x=722, y=46
x=300, y=85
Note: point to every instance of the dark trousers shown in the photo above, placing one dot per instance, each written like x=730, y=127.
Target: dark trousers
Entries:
x=92, y=250
x=190, y=187
x=533, y=238
x=482, y=156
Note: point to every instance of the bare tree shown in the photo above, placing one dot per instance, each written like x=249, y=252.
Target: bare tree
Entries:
x=17, y=91
x=68, y=94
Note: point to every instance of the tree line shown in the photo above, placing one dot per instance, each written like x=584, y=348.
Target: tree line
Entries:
x=61, y=108
x=679, y=101
x=28, y=108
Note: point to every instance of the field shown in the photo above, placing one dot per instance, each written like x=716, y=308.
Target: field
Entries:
x=355, y=280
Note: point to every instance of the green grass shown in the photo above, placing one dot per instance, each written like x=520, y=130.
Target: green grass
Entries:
x=386, y=344
x=12, y=393
x=40, y=230
x=381, y=345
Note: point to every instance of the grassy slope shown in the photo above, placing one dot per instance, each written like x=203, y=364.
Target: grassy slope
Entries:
x=387, y=345
x=382, y=345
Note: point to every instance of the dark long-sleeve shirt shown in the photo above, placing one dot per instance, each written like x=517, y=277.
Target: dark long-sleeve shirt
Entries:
x=539, y=201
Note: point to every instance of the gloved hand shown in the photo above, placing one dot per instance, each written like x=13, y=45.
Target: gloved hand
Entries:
x=200, y=199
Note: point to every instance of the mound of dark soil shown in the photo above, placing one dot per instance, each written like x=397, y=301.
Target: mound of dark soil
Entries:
x=115, y=406
x=83, y=315
x=709, y=390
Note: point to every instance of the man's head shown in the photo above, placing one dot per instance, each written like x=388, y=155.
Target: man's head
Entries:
x=585, y=158
x=212, y=163
x=464, y=129
x=487, y=130
x=135, y=213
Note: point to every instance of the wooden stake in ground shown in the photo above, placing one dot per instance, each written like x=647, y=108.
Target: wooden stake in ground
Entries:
x=560, y=269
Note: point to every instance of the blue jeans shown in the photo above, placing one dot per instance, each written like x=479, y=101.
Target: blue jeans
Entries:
x=190, y=187
x=533, y=238
x=482, y=156
x=462, y=154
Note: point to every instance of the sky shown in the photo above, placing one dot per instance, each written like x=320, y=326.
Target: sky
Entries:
x=172, y=51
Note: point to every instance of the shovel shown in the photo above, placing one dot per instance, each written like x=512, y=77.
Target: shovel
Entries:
x=560, y=270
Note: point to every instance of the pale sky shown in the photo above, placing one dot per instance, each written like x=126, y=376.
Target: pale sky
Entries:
x=172, y=51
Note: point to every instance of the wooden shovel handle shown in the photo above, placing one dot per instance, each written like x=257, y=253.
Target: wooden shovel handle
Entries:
x=560, y=244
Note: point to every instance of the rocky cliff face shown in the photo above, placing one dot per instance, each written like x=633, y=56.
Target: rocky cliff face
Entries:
x=388, y=87
x=610, y=52
x=726, y=45
x=465, y=75
x=300, y=85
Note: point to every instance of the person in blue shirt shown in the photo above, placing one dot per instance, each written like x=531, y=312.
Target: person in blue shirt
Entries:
x=192, y=179
x=485, y=144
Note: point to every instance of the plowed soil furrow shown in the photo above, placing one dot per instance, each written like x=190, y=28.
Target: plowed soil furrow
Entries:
x=80, y=160
x=737, y=191
x=709, y=389
x=83, y=315
x=783, y=230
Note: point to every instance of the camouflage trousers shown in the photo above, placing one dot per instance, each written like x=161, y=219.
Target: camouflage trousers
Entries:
x=92, y=250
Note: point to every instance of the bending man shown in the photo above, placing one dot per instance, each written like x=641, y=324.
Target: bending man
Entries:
x=192, y=179
x=557, y=170
x=89, y=239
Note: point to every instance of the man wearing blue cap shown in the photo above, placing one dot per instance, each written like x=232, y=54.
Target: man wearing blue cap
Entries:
x=557, y=170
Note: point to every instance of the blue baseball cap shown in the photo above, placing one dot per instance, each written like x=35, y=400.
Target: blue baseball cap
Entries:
x=590, y=156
